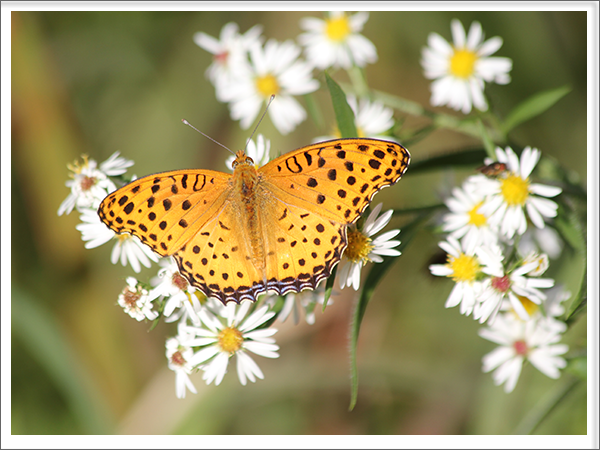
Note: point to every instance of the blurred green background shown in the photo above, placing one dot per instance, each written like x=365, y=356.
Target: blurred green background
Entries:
x=98, y=82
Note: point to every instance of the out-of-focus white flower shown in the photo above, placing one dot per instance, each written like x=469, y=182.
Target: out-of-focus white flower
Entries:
x=372, y=119
x=230, y=53
x=274, y=70
x=336, y=41
x=461, y=69
x=518, y=341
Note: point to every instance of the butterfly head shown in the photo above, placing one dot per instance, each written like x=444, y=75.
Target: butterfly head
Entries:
x=243, y=159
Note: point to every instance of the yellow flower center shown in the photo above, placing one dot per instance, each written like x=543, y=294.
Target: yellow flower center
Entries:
x=515, y=190
x=359, y=247
x=475, y=217
x=464, y=268
x=462, y=63
x=337, y=28
x=230, y=339
x=267, y=85
x=359, y=131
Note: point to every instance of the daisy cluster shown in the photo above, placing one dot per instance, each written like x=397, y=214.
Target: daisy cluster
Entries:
x=247, y=70
x=209, y=334
x=494, y=222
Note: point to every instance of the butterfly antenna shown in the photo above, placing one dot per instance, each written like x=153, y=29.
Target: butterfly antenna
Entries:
x=260, y=120
x=206, y=136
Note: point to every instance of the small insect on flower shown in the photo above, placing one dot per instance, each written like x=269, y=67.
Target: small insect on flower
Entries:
x=493, y=170
x=512, y=194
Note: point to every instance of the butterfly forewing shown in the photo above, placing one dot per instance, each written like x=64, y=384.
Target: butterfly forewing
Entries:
x=337, y=179
x=167, y=209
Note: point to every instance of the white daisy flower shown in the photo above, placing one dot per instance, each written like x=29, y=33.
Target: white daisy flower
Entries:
x=362, y=248
x=128, y=248
x=546, y=313
x=274, y=70
x=518, y=341
x=306, y=301
x=336, y=41
x=232, y=333
x=465, y=219
x=461, y=70
x=545, y=239
x=467, y=268
x=172, y=285
x=512, y=194
x=135, y=301
x=517, y=286
x=259, y=152
x=230, y=53
x=93, y=231
x=372, y=119
x=90, y=183
x=179, y=355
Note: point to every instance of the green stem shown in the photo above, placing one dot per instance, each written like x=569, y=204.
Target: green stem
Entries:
x=359, y=83
x=487, y=142
x=440, y=120
x=535, y=417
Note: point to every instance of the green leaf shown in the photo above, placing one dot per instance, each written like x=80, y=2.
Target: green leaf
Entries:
x=533, y=106
x=38, y=330
x=578, y=305
x=314, y=111
x=578, y=367
x=571, y=230
x=343, y=113
x=463, y=158
x=329, y=287
x=375, y=275
x=487, y=142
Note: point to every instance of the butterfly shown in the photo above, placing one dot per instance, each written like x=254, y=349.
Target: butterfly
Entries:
x=279, y=228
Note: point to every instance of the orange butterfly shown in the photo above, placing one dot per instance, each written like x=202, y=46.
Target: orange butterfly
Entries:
x=279, y=228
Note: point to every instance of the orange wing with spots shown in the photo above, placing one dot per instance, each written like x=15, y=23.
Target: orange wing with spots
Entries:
x=281, y=228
